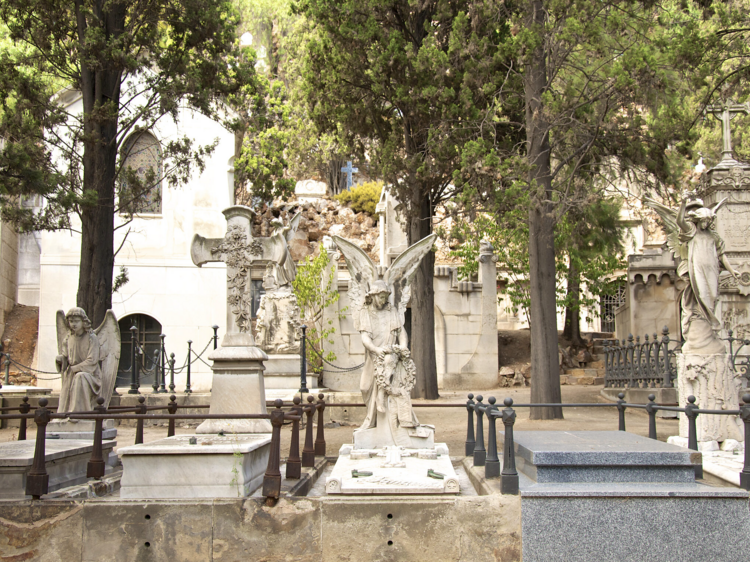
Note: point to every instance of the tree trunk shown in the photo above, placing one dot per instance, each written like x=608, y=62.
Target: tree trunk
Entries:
x=99, y=86
x=423, y=302
x=572, y=330
x=545, y=368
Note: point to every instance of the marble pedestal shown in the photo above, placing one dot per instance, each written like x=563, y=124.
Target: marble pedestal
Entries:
x=79, y=429
x=214, y=466
x=237, y=388
x=395, y=470
x=716, y=387
x=66, y=462
x=422, y=437
x=282, y=372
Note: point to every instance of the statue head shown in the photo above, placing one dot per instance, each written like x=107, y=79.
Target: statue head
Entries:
x=378, y=294
x=703, y=217
x=79, y=313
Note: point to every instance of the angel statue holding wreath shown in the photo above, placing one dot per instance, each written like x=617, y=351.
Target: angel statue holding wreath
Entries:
x=692, y=237
x=378, y=303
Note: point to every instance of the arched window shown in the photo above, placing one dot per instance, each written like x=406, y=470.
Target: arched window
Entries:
x=140, y=185
x=148, y=332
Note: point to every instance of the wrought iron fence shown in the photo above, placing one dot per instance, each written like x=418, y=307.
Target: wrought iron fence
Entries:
x=633, y=363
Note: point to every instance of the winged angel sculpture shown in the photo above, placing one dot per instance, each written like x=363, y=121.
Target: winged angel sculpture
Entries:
x=283, y=265
x=87, y=360
x=692, y=237
x=378, y=304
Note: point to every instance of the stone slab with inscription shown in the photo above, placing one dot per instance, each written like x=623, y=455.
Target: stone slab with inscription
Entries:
x=195, y=466
x=393, y=470
x=66, y=462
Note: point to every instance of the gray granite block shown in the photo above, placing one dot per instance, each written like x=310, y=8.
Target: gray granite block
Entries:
x=643, y=528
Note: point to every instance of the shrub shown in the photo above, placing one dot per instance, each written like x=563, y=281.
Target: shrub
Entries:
x=363, y=197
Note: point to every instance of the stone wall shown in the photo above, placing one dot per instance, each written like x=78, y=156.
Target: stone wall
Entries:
x=8, y=271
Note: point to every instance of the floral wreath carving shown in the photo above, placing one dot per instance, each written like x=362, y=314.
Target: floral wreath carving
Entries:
x=383, y=379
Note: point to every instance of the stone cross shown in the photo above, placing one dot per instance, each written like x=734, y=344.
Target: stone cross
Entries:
x=349, y=171
x=238, y=249
x=725, y=113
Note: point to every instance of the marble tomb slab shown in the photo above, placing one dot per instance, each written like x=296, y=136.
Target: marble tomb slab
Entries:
x=214, y=466
x=79, y=429
x=403, y=473
x=66, y=462
x=600, y=456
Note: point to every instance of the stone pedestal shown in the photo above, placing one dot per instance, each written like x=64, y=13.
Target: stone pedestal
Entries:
x=237, y=388
x=212, y=466
x=715, y=386
x=422, y=437
x=66, y=462
x=393, y=470
x=282, y=372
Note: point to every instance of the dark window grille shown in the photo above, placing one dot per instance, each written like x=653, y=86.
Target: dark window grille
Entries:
x=149, y=332
x=608, y=305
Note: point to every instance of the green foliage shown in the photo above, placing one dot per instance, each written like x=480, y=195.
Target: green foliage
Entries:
x=362, y=197
x=315, y=292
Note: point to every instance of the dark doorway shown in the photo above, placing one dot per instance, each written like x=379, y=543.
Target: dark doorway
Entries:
x=149, y=330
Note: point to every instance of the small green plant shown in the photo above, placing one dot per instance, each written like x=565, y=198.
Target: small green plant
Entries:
x=236, y=460
x=363, y=197
x=314, y=294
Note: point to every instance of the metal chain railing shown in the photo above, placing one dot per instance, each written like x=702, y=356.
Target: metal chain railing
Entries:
x=339, y=369
x=26, y=370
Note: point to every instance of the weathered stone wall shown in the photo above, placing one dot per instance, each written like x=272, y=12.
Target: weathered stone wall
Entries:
x=8, y=271
x=478, y=528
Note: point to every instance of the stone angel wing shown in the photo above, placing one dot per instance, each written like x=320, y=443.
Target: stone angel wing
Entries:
x=62, y=333
x=669, y=216
x=715, y=208
x=362, y=271
x=108, y=334
x=402, y=270
x=293, y=226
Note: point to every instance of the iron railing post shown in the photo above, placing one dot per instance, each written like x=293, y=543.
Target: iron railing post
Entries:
x=621, y=411
x=140, y=409
x=272, y=478
x=509, y=475
x=37, y=480
x=216, y=335
x=470, y=441
x=24, y=408
x=134, y=361
x=745, y=415
x=308, y=451
x=163, y=365
x=189, y=361
x=7, y=369
x=171, y=372
x=667, y=367
x=691, y=414
x=651, y=416
x=480, y=454
x=320, y=438
x=303, y=361
x=172, y=409
x=96, y=466
x=492, y=463
x=293, y=462
x=155, y=364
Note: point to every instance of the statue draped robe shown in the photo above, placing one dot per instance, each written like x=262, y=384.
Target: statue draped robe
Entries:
x=80, y=390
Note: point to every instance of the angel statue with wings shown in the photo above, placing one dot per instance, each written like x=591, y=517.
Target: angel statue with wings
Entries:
x=692, y=237
x=378, y=305
x=87, y=360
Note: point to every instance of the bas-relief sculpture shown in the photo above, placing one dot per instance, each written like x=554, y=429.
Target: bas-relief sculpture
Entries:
x=703, y=365
x=378, y=302
x=87, y=360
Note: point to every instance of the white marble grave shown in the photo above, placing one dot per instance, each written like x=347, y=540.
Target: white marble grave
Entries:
x=66, y=462
x=79, y=429
x=394, y=470
x=195, y=466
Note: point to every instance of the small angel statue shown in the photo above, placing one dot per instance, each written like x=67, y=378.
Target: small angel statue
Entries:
x=692, y=237
x=378, y=304
x=88, y=359
x=284, y=268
